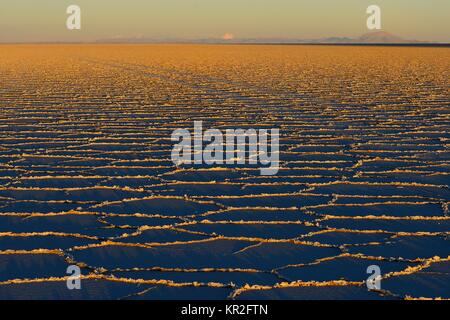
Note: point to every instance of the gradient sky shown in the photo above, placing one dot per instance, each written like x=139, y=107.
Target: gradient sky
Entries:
x=44, y=20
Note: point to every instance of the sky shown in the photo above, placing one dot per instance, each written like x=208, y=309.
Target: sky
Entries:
x=45, y=20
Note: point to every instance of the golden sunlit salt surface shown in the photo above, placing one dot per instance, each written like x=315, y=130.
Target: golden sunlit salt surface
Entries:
x=86, y=176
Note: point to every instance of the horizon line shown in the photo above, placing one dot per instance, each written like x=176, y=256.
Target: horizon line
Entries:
x=199, y=42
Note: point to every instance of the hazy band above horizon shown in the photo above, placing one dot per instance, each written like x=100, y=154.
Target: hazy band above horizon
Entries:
x=28, y=21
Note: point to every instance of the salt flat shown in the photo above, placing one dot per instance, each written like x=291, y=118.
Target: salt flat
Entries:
x=86, y=176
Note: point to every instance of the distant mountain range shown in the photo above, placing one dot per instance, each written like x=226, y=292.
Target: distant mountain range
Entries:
x=376, y=37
